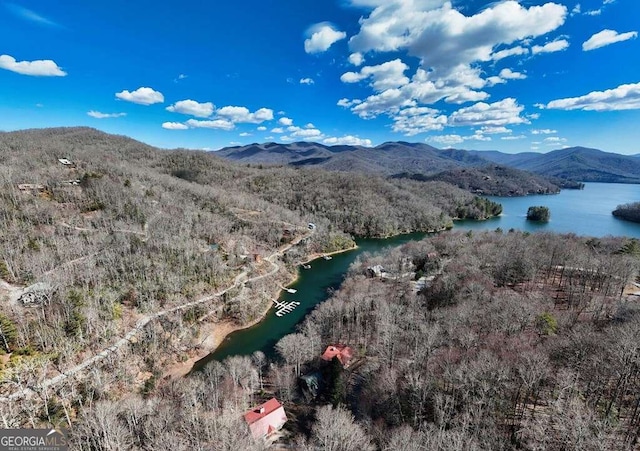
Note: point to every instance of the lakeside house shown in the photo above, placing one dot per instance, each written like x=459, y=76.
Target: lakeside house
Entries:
x=343, y=353
x=377, y=271
x=266, y=419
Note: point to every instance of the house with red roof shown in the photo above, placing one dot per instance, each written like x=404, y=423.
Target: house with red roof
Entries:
x=266, y=419
x=343, y=353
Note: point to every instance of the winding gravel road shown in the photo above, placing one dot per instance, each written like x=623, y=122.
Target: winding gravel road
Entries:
x=239, y=280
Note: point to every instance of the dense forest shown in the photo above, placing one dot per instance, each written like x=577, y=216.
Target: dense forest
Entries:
x=494, y=180
x=516, y=341
x=505, y=341
x=118, y=260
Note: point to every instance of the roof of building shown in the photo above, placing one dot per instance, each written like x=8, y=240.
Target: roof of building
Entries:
x=262, y=411
x=343, y=353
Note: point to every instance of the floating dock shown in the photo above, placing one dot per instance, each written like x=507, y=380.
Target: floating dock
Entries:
x=285, y=307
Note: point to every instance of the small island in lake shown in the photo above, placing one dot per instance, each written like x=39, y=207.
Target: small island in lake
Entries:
x=628, y=212
x=539, y=213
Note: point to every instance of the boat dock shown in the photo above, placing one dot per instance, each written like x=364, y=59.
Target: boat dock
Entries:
x=285, y=307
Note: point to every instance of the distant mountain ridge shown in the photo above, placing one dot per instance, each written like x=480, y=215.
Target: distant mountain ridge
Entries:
x=393, y=158
x=576, y=163
x=387, y=158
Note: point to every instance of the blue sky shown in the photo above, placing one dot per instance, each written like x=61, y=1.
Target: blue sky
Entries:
x=509, y=75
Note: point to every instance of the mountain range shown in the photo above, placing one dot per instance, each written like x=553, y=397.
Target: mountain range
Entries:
x=393, y=158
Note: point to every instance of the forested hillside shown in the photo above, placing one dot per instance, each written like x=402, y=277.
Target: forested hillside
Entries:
x=495, y=180
x=120, y=259
x=513, y=341
x=505, y=341
x=574, y=163
x=469, y=170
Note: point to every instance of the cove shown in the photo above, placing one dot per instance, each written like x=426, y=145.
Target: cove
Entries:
x=584, y=212
x=314, y=286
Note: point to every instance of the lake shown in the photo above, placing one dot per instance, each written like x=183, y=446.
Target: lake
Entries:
x=584, y=212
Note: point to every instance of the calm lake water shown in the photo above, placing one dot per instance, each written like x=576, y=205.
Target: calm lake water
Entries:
x=584, y=212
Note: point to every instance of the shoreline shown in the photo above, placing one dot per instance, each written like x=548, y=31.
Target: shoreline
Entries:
x=213, y=337
x=318, y=255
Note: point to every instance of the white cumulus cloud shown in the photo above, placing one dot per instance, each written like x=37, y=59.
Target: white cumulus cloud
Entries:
x=544, y=131
x=357, y=59
x=450, y=140
x=384, y=76
x=38, y=68
x=99, y=115
x=495, y=130
x=347, y=140
x=322, y=36
x=218, y=124
x=607, y=37
x=451, y=48
x=447, y=140
x=240, y=114
x=624, y=97
x=174, y=126
x=307, y=81
x=413, y=120
x=554, y=140
x=550, y=47
x=504, y=112
x=508, y=74
x=348, y=103
x=192, y=108
x=307, y=133
x=285, y=121
x=443, y=37
x=576, y=9
x=505, y=53
x=142, y=96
